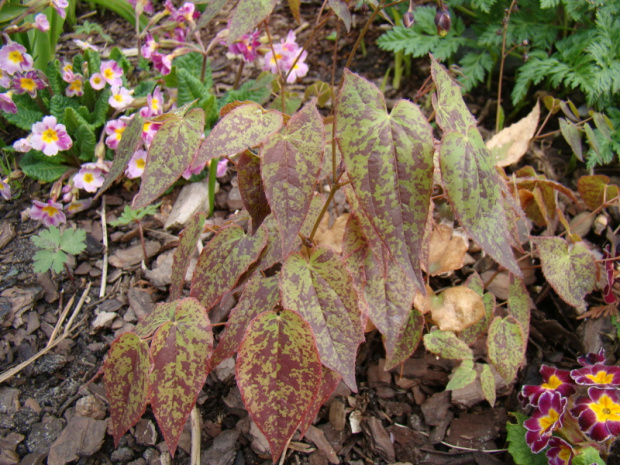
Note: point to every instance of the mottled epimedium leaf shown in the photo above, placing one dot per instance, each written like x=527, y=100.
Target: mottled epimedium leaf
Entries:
x=487, y=383
x=462, y=375
x=447, y=345
x=247, y=15
x=472, y=333
x=260, y=295
x=329, y=382
x=180, y=349
x=474, y=189
x=451, y=112
x=572, y=135
x=475, y=283
x=506, y=347
x=320, y=289
x=595, y=190
x=342, y=11
x=389, y=160
x=290, y=166
x=354, y=251
x=519, y=305
x=571, y=269
x=187, y=244
x=126, y=381
x=406, y=340
x=170, y=153
x=278, y=374
x=457, y=308
x=368, y=231
x=222, y=262
x=163, y=313
x=132, y=136
x=251, y=188
x=244, y=127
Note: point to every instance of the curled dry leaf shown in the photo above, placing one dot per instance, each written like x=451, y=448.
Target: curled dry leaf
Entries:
x=447, y=250
x=331, y=237
x=421, y=302
x=457, y=308
x=511, y=143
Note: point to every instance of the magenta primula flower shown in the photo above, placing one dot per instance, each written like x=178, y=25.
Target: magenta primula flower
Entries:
x=147, y=5
x=136, y=165
x=597, y=374
x=28, y=82
x=50, y=137
x=5, y=189
x=49, y=213
x=120, y=98
x=89, y=179
x=112, y=73
x=554, y=379
x=247, y=47
x=41, y=22
x=592, y=359
x=7, y=104
x=76, y=87
x=149, y=47
x=599, y=414
x=222, y=167
x=149, y=129
x=154, y=104
x=162, y=63
x=13, y=58
x=560, y=452
x=545, y=419
x=5, y=79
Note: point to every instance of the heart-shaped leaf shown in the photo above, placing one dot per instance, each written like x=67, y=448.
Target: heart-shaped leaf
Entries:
x=187, y=244
x=463, y=375
x=519, y=305
x=506, y=347
x=447, y=345
x=595, y=190
x=329, y=382
x=405, y=341
x=251, y=188
x=247, y=15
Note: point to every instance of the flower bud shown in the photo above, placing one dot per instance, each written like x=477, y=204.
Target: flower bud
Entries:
x=408, y=19
x=525, y=42
x=443, y=21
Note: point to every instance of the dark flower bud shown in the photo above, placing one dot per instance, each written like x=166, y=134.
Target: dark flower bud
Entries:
x=499, y=32
x=408, y=19
x=515, y=8
x=525, y=57
x=443, y=21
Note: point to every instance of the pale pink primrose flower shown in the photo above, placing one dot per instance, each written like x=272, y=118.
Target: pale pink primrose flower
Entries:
x=67, y=72
x=13, y=58
x=289, y=44
x=120, y=98
x=274, y=61
x=59, y=6
x=77, y=206
x=300, y=69
x=49, y=213
x=50, y=137
x=68, y=197
x=185, y=13
x=5, y=79
x=76, y=87
x=154, y=103
x=136, y=165
x=5, y=189
x=96, y=81
x=41, y=22
x=88, y=179
x=112, y=73
x=114, y=129
x=149, y=129
x=28, y=82
x=149, y=47
x=103, y=166
x=193, y=169
x=83, y=45
x=222, y=167
x=6, y=103
x=22, y=145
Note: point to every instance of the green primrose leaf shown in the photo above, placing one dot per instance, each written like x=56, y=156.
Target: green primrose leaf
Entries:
x=588, y=456
x=518, y=448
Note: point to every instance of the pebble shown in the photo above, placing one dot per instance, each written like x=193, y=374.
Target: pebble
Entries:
x=91, y=407
x=122, y=454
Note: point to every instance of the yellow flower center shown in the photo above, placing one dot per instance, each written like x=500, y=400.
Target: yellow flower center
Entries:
x=119, y=131
x=108, y=73
x=16, y=57
x=140, y=163
x=155, y=104
x=146, y=127
x=601, y=377
x=547, y=422
x=553, y=383
x=28, y=84
x=68, y=67
x=49, y=135
x=118, y=98
x=76, y=85
x=565, y=454
x=50, y=211
x=606, y=409
x=88, y=178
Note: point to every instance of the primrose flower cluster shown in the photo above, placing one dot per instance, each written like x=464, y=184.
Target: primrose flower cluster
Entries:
x=574, y=409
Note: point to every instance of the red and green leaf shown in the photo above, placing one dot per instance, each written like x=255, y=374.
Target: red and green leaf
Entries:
x=251, y=188
x=171, y=152
x=571, y=269
x=342, y=11
x=247, y=15
x=187, y=244
x=320, y=289
x=519, y=305
x=290, y=166
x=329, y=382
x=595, y=190
x=506, y=347
x=126, y=381
x=163, y=313
x=447, y=345
x=180, y=350
x=487, y=383
x=406, y=340
x=463, y=375
x=279, y=374
x=389, y=160
x=259, y=295
x=222, y=262
x=244, y=127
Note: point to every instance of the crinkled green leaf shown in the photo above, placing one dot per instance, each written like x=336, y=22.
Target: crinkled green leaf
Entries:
x=42, y=168
x=126, y=381
x=406, y=340
x=180, y=349
x=170, y=153
x=260, y=295
x=290, y=166
x=320, y=289
x=571, y=269
x=447, y=345
x=487, y=383
x=252, y=189
x=278, y=374
x=72, y=241
x=247, y=15
x=588, y=456
x=222, y=262
x=187, y=244
x=463, y=375
x=389, y=160
x=506, y=347
x=244, y=127
x=519, y=305
x=48, y=238
x=595, y=190
x=85, y=142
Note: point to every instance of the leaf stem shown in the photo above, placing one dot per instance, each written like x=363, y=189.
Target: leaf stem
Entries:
x=506, y=20
x=142, y=241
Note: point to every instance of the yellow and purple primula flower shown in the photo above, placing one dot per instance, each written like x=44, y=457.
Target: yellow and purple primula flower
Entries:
x=88, y=178
x=545, y=419
x=246, y=47
x=41, y=22
x=554, y=379
x=112, y=73
x=75, y=87
x=149, y=47
x=7, y=104
x=149, y=129
x=13, y=58
x=592, y=359
x=5, y=79
x=597, y=375
x=599, y=413
x=560, y=452
x=49, y=213
x=96, y=81
x=120, y=98
x=154, y=104
x=50, y=137
x=114, y=129
x=136, y=165
x=28, y=82
x=5, y=189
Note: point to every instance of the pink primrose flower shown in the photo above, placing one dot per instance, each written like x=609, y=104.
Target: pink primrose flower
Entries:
x=13, y=58
x=23, y=145
x=88, y=179
x=247, y=47
x=76, y=87
x=120, y=98
x=289, y=45
x=154, y=102
x=5, y=79
x=299, y=69
x=599, y=413
x=598, y=375
x=5, y=189
x=162, y=63
x=136, y=165
x=67, y=72
x=185, y=13
x=273, y=61
x=149, y=47
x=285, y=54
x=50, y=137
x=49, y=213
x=28, y=82
x=222, y=167
x=545, y=419
x=59, y=6
x=560, y=452
x=41, y=22
x=554, y=379
x=114, y=129
x=6, y=103
x=77, y=206
x=112, y=73
x=193, y=169
x=149, y=129
x=97, y=82
x=147, y=5
x=83, y=45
